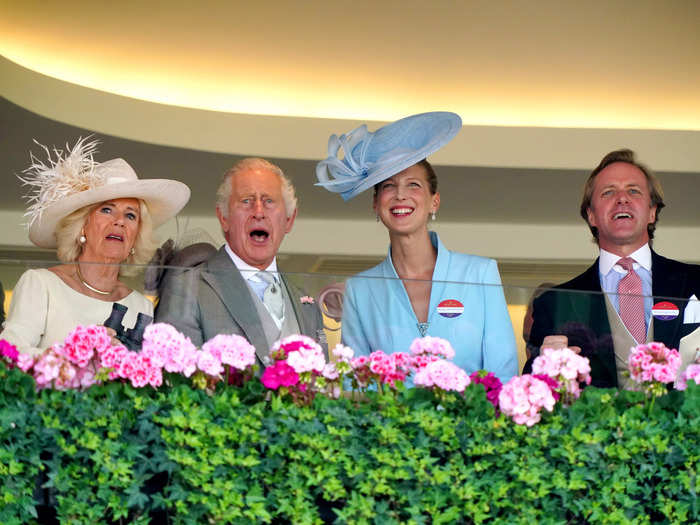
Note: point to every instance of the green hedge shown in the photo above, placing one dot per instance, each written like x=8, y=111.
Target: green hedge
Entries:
x=116, y=454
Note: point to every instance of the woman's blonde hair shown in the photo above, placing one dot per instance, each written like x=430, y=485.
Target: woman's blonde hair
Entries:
x=70, y=228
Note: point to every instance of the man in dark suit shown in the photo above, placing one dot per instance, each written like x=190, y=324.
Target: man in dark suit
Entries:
x=238, y=289
x=630, y=294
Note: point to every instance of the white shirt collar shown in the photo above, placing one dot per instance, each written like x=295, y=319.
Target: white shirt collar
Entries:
x=247, y=271
x=642, y=256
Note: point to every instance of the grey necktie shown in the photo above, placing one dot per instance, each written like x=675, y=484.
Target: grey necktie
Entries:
x=272, y=296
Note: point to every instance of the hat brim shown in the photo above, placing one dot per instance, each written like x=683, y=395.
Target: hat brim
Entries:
x=403, y=144
x=164, y=198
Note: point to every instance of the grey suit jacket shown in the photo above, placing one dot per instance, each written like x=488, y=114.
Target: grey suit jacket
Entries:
x=213, y=298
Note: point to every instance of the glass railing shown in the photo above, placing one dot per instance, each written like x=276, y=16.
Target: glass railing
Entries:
x=490, y=326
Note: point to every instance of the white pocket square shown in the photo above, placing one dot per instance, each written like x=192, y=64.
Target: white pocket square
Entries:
x=691, y=314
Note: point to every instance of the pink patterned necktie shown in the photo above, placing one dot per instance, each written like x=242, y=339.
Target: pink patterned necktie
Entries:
x=631, y=301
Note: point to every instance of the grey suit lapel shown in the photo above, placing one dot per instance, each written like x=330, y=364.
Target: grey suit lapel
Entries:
x=227, y=282
x=307, y=314
x=299, y=310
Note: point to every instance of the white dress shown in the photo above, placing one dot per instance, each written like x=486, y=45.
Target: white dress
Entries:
x=44, y=310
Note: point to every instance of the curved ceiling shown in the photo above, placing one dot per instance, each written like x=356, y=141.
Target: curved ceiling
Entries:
x=598, y=64
x=545, y=89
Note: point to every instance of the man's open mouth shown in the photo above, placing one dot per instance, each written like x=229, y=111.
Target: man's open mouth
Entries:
x=622, y=215
x=259, y=235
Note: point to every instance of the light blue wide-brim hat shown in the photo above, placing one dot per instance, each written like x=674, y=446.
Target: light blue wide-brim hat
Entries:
x=371, y=157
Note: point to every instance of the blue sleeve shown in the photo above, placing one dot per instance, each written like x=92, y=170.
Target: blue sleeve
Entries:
x=499, y=352
x=352, y=333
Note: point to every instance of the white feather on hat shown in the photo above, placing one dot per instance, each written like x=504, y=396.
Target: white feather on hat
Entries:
x=74, y=180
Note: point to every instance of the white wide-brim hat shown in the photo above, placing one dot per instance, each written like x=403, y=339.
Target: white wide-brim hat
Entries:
x=76, y=181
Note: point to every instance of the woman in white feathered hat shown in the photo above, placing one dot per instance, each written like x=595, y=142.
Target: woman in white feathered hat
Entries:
x=98, y=216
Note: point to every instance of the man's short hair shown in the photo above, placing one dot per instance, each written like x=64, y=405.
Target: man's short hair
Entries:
x=223, y=193
x=627, y=156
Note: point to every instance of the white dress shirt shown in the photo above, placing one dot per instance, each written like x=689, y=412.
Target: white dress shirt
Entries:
x=249, y=273
x=612, y=273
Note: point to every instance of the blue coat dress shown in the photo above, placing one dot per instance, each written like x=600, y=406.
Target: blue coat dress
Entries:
x=467, y=307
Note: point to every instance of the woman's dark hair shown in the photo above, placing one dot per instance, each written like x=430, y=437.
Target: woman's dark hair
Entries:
x=429, y=175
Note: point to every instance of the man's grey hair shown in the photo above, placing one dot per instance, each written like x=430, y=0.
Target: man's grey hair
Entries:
x=223, y=193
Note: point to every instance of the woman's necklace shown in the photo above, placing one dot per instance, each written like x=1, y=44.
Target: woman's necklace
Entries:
x=92, y=288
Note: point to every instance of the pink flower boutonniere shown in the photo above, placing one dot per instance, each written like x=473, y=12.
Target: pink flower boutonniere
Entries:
x=306, y=299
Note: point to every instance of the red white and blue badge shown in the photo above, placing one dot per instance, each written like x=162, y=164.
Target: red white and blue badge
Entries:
x=664, y=311
x=450, y=308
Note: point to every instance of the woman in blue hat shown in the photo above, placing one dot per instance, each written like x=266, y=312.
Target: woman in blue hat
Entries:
x=421, y=288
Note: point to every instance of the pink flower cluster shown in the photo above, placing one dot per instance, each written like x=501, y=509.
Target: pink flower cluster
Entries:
x=87, y=356
x=12, y=358
x=653, y=362
x=523, y=398
x=442, y=374
x=8, y=352
x=385, y=369
x=334, y=372
x=298, y=360
x=74, y=363
x=167, y=349
x=137, y=368
x=229, y=350
x=336, y=369
x=433, y=347
x=692, y=373
x=566, y=367
x=490, y=382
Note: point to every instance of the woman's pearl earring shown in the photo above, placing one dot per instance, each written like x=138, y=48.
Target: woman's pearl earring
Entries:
x=132, y=251
x=82, y=239
x=432, y=215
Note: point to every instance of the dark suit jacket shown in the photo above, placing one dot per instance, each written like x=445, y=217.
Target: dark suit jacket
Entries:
x=213, y=298
x=583, y=318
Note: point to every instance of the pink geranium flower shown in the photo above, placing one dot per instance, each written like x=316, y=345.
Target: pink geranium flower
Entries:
x=691, y=373
x=652, y=366
x=653, y=362
x=343, y=353
x=168, y=348
x=279, y=374
x=25, y=362
x=435, y=346
x=444, y=375
x=83, y=342
x=523, y=397
x=209, y=363
x=8, y=352
x=232, y=350
x=491, y=384
x=568, y=370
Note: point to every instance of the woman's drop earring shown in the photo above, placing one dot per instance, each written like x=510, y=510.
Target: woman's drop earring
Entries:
x=432, y=215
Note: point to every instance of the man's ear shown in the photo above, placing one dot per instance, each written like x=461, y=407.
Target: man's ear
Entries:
x=591, y=217
x=290, y=221
x=222, y=220
x=652, y=214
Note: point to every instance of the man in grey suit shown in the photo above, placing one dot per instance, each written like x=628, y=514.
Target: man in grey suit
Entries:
x=238, y=289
